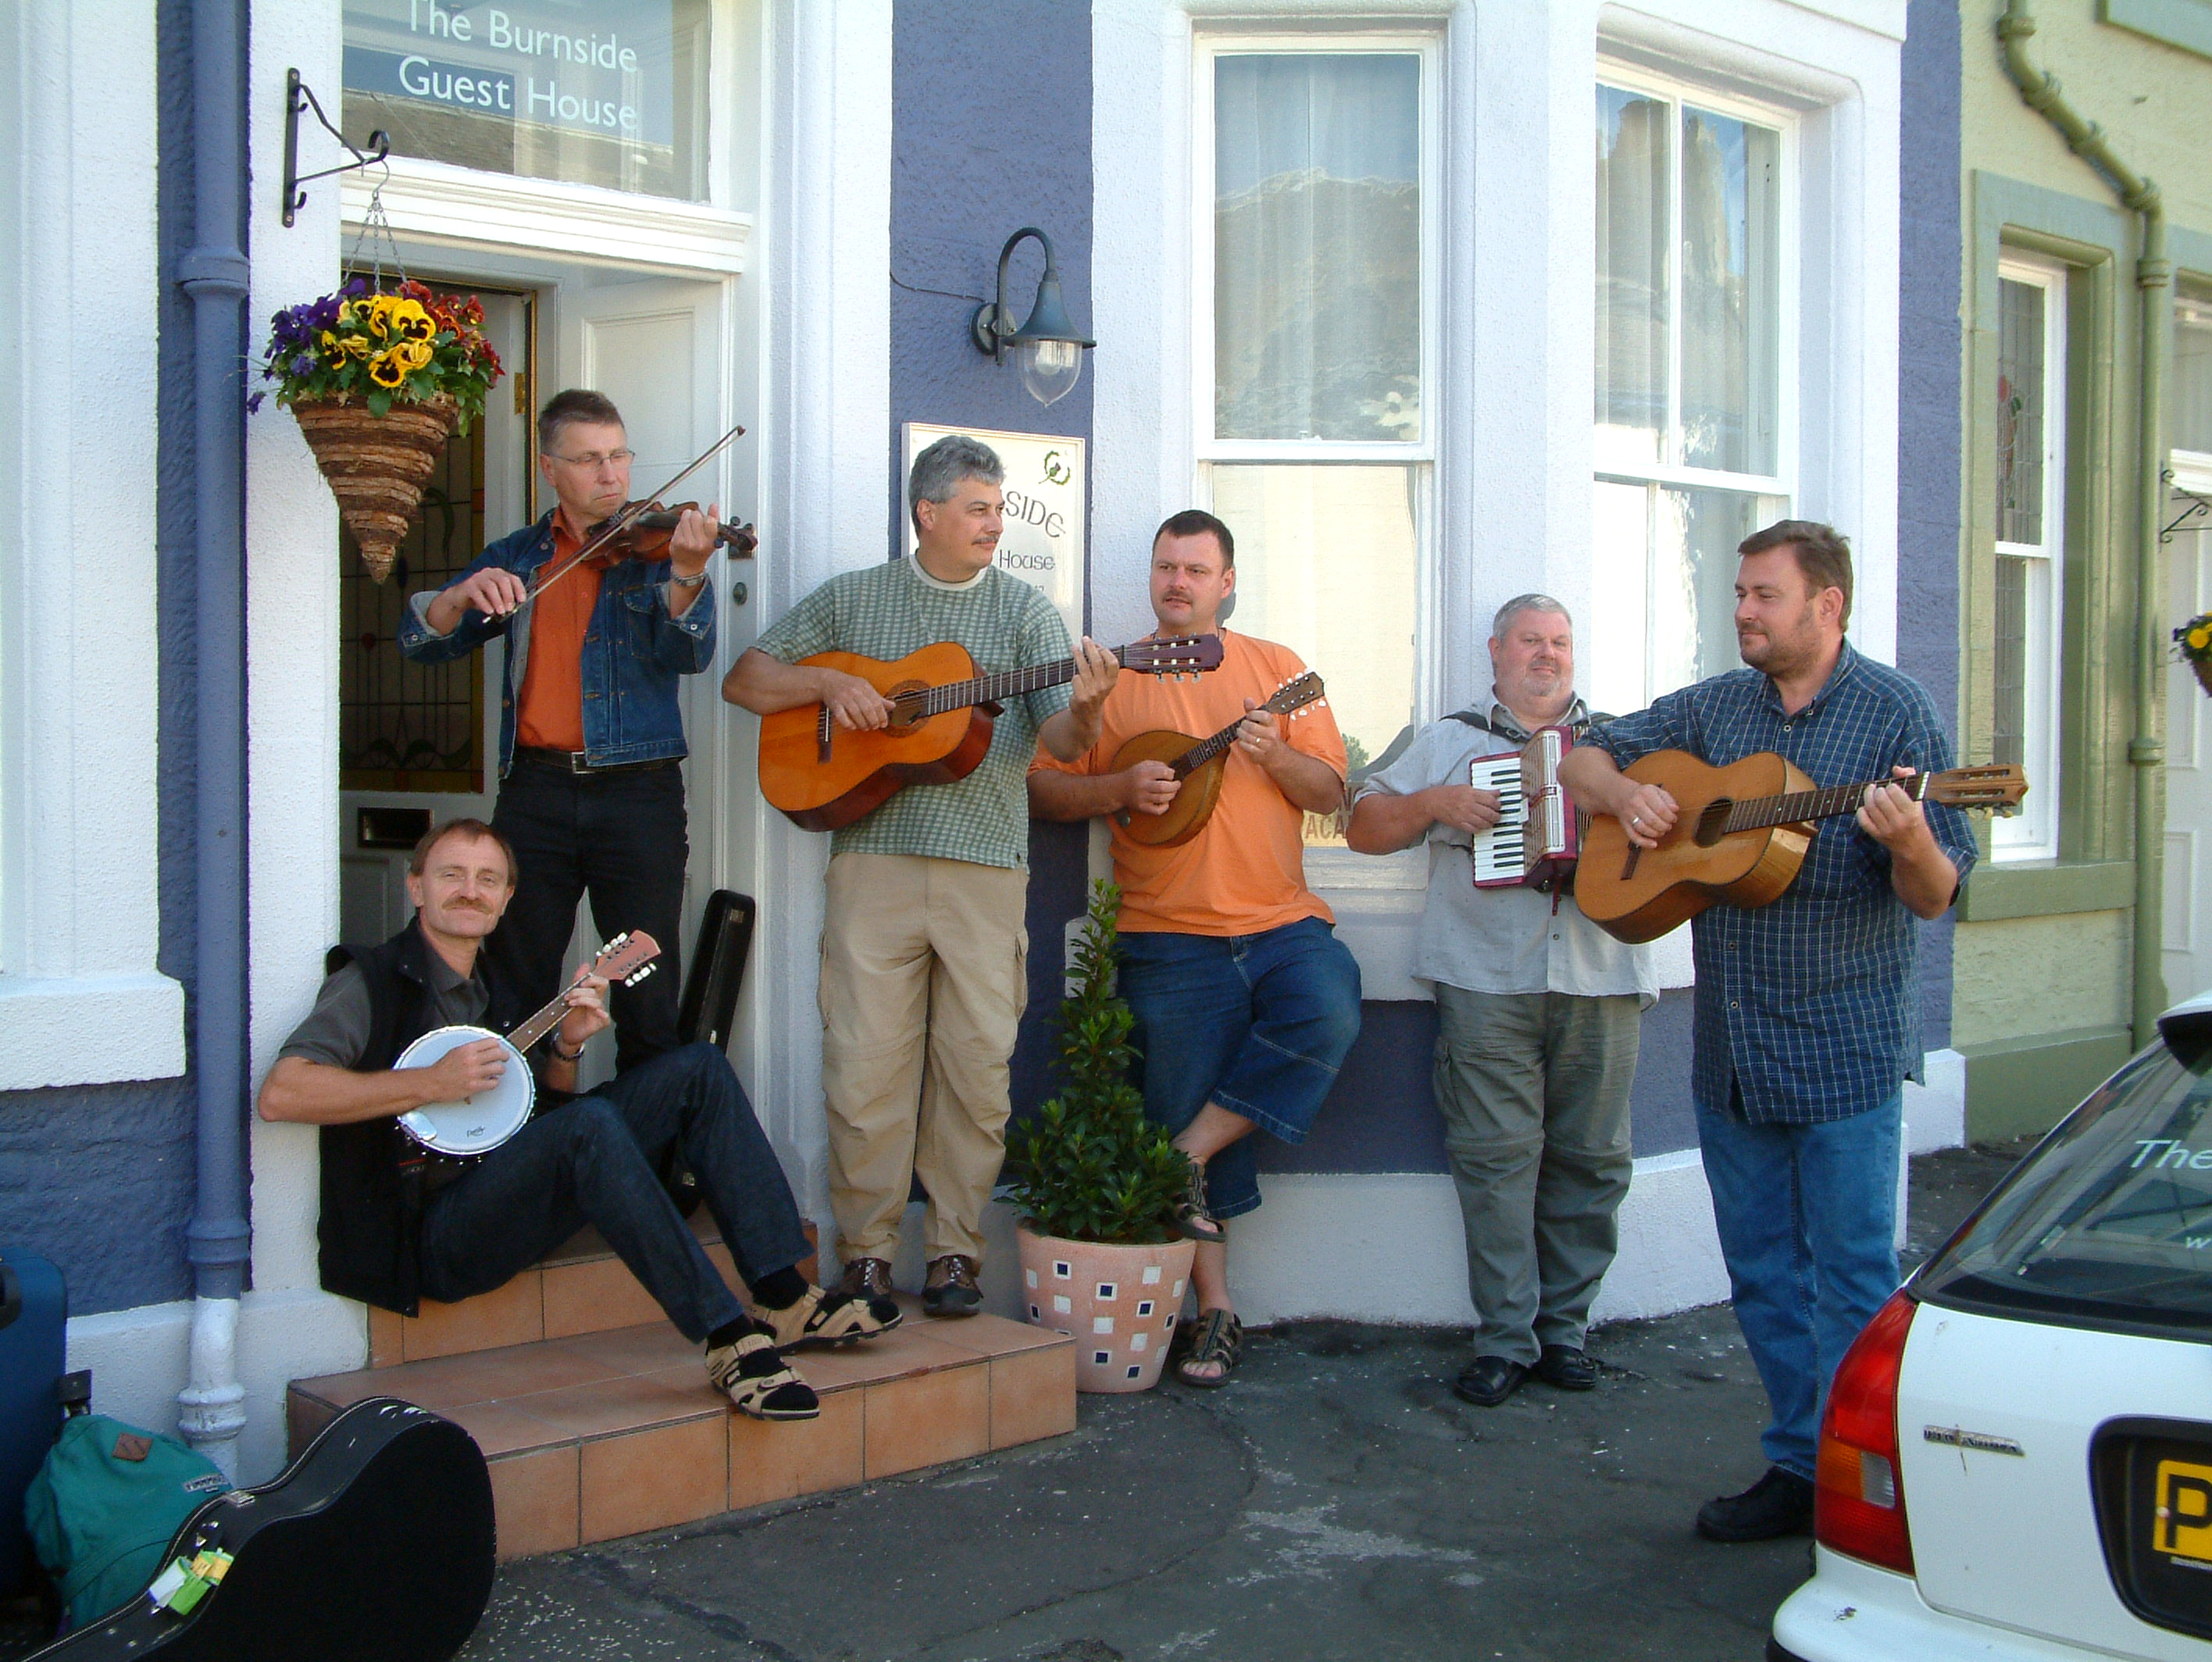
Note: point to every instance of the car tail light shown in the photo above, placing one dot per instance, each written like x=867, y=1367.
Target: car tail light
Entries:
x=1859, y=1501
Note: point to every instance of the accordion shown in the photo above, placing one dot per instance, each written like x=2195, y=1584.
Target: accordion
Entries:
x=1537, y=838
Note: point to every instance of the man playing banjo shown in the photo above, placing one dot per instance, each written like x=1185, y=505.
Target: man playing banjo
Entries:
x=398, y=1227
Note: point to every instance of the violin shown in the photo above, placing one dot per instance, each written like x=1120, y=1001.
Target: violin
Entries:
x=645, y=535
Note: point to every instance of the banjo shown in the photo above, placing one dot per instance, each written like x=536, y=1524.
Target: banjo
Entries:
x=477, y=1124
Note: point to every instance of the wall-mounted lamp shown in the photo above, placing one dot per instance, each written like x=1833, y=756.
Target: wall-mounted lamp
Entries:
x=1048, y=350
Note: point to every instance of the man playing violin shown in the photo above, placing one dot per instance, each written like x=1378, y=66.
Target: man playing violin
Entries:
x=924, y=947
x=397, y=1227
x=1246, y=1002
x=1807, y=1011
x=591, y=738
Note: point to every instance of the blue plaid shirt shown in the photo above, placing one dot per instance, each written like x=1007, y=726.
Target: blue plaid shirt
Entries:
x=1808, y=1007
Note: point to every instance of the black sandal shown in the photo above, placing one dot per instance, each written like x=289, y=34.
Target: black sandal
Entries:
x=1216, y=1336
x=1191, y=1216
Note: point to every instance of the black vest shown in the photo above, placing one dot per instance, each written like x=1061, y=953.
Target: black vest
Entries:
x=372, y=1176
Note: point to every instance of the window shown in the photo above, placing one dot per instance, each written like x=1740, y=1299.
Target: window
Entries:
x=1313, y=342
x=612, y=95
x=1691, y=442
x=2190, y=417
x=2028, y=429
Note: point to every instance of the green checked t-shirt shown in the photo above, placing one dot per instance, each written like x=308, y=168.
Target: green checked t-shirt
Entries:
x=889, y=610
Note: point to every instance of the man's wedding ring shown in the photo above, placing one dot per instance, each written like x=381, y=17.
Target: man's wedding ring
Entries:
x=1633, y=821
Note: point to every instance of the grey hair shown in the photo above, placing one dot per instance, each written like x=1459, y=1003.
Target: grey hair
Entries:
x=940, y=469
x=1526, y=603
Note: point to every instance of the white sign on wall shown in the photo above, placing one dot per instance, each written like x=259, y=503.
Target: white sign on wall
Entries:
x=1044, y=540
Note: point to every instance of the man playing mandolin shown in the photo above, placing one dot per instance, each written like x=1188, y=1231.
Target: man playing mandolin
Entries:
x=1808, y=1008
x=1538, y=1016
x=924, y=947
x=397, y=1228
x=1246, y=1002
x=591, y=740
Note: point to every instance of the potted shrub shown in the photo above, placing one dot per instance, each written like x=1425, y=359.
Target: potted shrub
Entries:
x=1097, y=1183
x=379, y=382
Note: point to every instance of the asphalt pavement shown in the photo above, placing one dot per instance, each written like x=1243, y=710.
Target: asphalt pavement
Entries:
x=1336, y=1500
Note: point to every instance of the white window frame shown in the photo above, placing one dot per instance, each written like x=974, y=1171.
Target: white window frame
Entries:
x=81, y=999
x=2192, y=469
x=1326, y=867
x=1778, y=490
x=2033, y=834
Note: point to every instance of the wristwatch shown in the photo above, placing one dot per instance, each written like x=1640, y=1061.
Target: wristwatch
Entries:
x=690, y=582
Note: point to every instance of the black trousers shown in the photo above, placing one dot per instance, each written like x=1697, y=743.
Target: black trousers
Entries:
x=620, y=837
x=596, y=1161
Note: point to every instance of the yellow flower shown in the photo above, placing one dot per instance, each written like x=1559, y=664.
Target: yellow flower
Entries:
x=380, y=308
x=413, y=353
x=2200, y=638
x=386, y=369
x=356, y=345
x=411, y=322
x=331, y=345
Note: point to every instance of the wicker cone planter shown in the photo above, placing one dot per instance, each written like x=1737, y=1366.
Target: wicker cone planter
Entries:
x=1120, y=1304
x=377, y=465
x=2203, y=668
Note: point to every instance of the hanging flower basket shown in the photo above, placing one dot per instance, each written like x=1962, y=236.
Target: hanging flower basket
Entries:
x=378, y=383
x=2193, y=645
x=377, y=465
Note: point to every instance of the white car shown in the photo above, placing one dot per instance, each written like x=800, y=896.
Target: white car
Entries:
x=2015, y=1460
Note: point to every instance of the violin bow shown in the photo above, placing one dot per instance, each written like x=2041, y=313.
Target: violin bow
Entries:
x=617, y=523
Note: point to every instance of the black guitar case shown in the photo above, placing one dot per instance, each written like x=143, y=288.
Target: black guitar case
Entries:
x=375, y=1546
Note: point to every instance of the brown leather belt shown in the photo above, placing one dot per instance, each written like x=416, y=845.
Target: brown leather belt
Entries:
x=574, y=762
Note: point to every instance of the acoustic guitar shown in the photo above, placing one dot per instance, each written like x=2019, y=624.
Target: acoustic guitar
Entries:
x=1199, y=763
x=1741, y=837
x=822, y=776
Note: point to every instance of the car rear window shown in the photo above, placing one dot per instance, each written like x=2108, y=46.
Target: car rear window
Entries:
x=2108, y=1223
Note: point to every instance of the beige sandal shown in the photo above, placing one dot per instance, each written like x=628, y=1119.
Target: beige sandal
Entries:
x=820, y=1318
x=757, y=1380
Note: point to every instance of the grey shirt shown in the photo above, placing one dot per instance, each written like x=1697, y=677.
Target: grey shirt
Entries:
x=336, y=1031
x=1500, y=940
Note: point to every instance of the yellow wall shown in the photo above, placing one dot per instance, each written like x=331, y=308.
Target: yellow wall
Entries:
x=2027, y=975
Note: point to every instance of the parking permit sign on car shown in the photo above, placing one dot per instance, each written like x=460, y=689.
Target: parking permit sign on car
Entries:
x=2183, y=1511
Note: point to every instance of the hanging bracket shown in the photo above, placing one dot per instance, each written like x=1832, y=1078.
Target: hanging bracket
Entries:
x=2199, y=506
x=300, y=96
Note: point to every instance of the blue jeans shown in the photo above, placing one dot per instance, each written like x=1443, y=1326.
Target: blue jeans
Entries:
x=1808, y=1223
x=1258, y=1024
x=596, y=1159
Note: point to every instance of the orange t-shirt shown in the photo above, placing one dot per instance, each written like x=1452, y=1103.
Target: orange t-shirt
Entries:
x=549, y=714
x=1244, y=873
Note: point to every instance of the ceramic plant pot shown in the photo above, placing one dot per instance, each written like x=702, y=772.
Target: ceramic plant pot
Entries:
x=1120, y=1304
x=377, y=465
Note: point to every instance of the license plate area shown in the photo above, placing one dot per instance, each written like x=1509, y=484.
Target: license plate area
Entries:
x=2153, y=1482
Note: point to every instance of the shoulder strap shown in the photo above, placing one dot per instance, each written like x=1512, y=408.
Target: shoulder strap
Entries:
x=1472, y=719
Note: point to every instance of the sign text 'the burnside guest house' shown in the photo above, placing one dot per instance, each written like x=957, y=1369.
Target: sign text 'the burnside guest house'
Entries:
x=504, y=63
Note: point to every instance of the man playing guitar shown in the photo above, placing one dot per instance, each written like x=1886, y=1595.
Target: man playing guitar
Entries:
x=1807, y=1011
x=1246, y=1002
x=924, y=950
x=396, y=1229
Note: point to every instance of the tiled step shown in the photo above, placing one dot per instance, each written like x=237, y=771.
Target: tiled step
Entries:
x=581, y=1287
x=611, y=1432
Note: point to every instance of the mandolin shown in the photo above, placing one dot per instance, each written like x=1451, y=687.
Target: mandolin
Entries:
x=1199, y=763
x=1741, y=838
x=822, y=776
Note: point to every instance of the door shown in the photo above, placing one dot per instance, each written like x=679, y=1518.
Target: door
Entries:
x=658, y=347
x=418, y=743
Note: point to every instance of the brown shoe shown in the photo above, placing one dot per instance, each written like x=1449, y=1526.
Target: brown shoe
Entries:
x=952, y=1288
x=869, y=1277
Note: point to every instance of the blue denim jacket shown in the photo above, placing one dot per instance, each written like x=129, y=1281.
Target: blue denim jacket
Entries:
x=633, y=650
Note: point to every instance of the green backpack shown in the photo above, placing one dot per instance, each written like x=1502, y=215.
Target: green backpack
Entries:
x=105, y=1504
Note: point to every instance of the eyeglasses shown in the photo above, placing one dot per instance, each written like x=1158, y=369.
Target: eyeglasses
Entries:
x=592, y=461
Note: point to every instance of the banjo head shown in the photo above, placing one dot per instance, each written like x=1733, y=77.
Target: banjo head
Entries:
x=475, y=1125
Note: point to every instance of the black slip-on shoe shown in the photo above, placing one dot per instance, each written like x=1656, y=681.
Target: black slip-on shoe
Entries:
x=1564, y=1367
x=1778, y=1504
x=1488, y=1380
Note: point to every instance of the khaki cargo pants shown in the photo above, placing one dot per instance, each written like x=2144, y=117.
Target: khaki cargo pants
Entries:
x=925, y=972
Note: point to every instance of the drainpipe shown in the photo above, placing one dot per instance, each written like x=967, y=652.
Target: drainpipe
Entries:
x=2155, y=290
x=211, y=1409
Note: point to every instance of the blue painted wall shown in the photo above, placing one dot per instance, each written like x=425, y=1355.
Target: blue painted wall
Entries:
x=986, y=140
x=1929, y=419
x=100, y=1179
